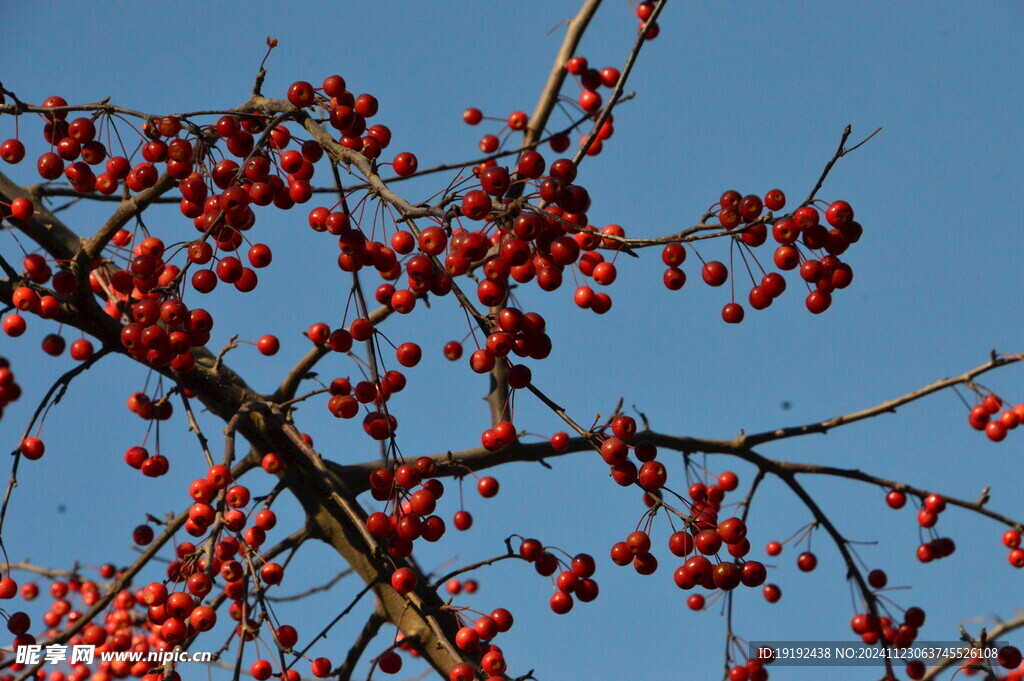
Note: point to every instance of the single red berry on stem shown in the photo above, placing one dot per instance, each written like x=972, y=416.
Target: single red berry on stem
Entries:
x=268, y=345
x=301, y=94
x=714, y=273
x=896, y=499
x=403, y=580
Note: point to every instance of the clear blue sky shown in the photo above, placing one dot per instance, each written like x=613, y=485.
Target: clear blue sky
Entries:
x=731, y=95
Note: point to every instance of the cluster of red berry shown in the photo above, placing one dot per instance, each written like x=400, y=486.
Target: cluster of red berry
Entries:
x=529, y=245
x=644, y=12
x=516, y=121
x=412, y=490
x=575, y=577
x=160, y=333
x=151, y=466
x=147, y=281
x=752, y=670
x=511, y=333
x=345, y=401
x=591, y=80
x=927, y=517
x=149, y=409
x=1012, y=541
x=807, y=561
x=590, y=101
x=821, y=267
x=872, y=629
x=985, y=416
x=27, y=299
x=476, y=640
x=72, y=596
x=705, y=536
x=174, y=614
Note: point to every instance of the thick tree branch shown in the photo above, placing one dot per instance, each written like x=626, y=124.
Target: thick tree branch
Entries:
x=129, y=208
x=355, y=652
x=44, y=228
x=549, y=95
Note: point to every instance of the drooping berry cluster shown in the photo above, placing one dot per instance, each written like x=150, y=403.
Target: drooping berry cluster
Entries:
x=704, y=536
x=576, y=577
x=742, y=218
x=927, y=517
x=985, y=416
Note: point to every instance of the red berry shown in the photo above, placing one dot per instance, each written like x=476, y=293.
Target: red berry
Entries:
x=561, y=602
x=463, y=520
x=22, y=209
x=818, y=301
x=1009, y=657
x=301, y=94
x=839, y=213
x=476, y=204
x=714, y=273
x=775, y=200
x=403, y=580
x=807, y=561
x=405, y=164
x=732, y=313
x=268, y=345
x=996, y=431
x=896, y=499
x=487, y=487
x=408, y=354
x=32, y=448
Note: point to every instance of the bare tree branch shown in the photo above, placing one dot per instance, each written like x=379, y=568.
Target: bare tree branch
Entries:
x=889, y=406
x=129, y=208
x=549, y=95
x=365, y=637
